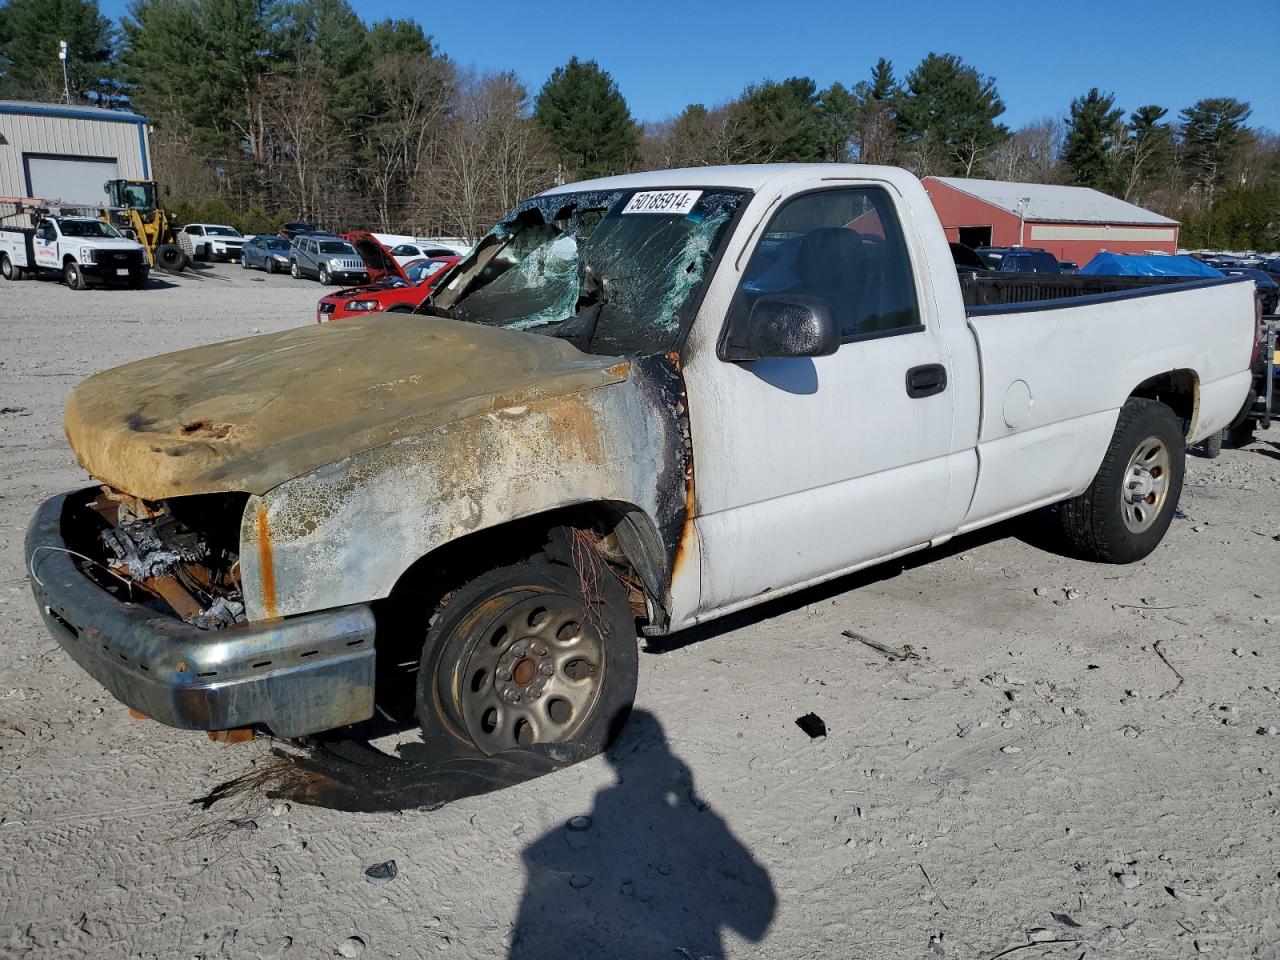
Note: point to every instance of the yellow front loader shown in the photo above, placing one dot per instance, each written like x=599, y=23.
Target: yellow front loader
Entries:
x=134, y=210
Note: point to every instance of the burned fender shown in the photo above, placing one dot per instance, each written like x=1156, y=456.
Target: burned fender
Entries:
x=346, y=532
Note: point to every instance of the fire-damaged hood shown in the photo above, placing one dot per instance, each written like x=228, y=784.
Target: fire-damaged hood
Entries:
x=248, y=415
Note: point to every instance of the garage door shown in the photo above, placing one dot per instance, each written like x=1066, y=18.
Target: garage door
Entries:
x=71, y=181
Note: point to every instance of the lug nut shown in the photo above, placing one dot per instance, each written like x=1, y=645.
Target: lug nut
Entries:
x=546, y=669
x=539, y=649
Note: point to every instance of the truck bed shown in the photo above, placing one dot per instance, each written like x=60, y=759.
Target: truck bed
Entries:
x=1003, y=289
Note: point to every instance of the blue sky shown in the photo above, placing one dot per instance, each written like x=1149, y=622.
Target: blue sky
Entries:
x=666, y=54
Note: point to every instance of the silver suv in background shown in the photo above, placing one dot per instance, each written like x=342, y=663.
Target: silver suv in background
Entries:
x=328, y=259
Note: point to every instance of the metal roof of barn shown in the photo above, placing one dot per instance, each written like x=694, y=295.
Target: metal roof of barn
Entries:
x=32, y=109
x=1048, y=203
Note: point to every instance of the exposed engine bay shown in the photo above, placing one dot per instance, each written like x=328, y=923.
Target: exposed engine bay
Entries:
x=180, y=555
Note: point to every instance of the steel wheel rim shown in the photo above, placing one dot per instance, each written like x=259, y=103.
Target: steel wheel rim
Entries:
x=534, y=675
x=1146, y=484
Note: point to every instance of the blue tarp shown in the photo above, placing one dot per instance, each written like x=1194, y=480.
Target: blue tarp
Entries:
x=1134, y=265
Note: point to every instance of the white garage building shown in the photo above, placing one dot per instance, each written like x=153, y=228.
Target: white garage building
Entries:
x=53, y=151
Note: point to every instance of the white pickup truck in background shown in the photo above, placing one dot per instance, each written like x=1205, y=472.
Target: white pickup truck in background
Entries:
x=647, y=400
x=79, y=248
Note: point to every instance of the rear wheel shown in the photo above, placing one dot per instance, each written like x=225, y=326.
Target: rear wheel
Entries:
x=1211, y=447
x=520, y=658
x=7, y=268
x=74, y=276
x=1125, y=512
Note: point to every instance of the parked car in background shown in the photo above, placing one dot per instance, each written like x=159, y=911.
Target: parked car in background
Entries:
x=1268, y=289
x=407, y=252
x=394, y=294
x=295, y=228
x=210, y=241
x=1068, y=266
x=329, y=260
x=265, y=253
x=1020, y=259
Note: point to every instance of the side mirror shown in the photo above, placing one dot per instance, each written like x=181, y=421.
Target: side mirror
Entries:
x=791, y=325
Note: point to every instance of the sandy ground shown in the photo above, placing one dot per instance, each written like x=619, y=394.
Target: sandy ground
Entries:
x=1037, y=779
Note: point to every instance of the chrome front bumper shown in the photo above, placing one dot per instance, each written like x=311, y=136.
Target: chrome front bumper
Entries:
x=296, y=676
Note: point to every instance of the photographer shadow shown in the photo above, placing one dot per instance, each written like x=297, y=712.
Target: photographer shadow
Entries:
x=653, y=871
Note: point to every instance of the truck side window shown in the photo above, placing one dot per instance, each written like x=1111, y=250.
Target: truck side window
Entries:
x=844, y=245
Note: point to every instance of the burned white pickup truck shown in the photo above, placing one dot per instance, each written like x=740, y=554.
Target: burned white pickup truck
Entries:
x=641, y=402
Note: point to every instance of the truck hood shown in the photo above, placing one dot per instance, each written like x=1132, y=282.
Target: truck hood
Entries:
x=101, y=244
x=247, y=415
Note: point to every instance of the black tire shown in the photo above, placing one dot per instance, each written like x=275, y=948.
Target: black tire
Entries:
x=325, y=279
x=73, y=276
x=294, y=270
x=244, y=262
x=8, y=270
x=138, y=279
x=1241, y=435
x=1211, y=447
x=400, y=308
x=171, y=258
x=269, y=265
x=1112, y=522
x=526, y=632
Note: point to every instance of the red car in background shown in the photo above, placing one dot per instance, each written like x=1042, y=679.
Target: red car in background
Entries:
x=391, y=287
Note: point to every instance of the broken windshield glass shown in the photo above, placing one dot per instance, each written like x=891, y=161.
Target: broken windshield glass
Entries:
x=614, y=272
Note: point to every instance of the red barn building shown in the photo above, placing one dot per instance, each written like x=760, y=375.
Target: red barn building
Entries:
x=1072, y=223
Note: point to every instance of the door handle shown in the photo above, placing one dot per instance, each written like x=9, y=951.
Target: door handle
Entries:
x=926, y=380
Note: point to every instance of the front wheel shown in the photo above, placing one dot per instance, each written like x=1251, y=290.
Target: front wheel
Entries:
x=1125, y=512
x=325, y=279
x=294, y=271
x=520, y=659
x=74, y=276
x=171, y=258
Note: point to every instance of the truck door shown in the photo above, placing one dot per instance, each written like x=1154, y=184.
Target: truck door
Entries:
x=46, y=246
x=804, y=468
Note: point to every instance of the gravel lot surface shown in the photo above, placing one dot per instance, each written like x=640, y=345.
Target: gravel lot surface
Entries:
x=1040, y=777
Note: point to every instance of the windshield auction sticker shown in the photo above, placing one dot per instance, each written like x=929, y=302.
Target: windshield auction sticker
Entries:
x=670, y=202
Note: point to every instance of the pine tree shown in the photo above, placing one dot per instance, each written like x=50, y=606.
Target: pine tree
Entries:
x=946, y=116
x=783, y=122
x=1092, y=140
x=587, y=120
x=1147, y=151
x=1212, y=133
x=30, y=31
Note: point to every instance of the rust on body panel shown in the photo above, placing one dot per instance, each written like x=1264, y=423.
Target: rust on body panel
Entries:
x=266, y=565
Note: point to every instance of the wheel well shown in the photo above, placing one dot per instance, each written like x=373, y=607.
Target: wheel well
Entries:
x=1179, y=390
x=621, y=535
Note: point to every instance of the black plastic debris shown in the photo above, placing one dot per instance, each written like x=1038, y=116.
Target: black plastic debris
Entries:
x=1064, y=919
x=381, y=872
x=812, y=724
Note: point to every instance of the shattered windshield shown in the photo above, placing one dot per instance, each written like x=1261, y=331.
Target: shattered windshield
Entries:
x=614, y=272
